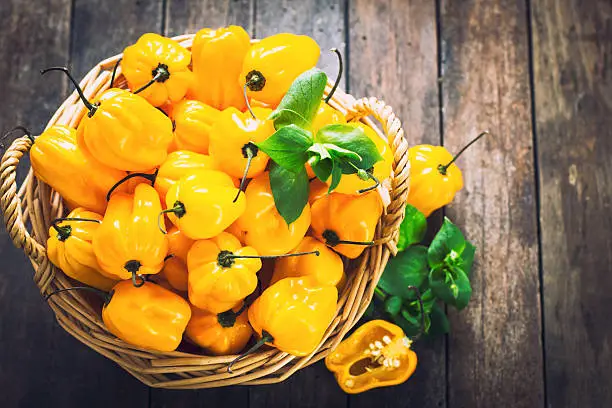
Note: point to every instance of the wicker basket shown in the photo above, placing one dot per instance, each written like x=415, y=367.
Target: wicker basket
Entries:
x=34, y=205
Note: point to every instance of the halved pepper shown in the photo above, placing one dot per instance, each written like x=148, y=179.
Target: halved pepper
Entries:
x=377, y=354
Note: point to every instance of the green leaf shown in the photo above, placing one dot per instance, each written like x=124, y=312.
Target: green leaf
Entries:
x=340, y=153
x=411, y=323
x=336, y=175
x=412, y=229
x=288, y=147
x=452, y=286
x=323, y=169
x=319, y=150
x=393, y=305
x=439, y=321
x=467, y=258
x=408, y=268
x=290, y=191
x=354, y=140
x=301, y=102
x=447, y=245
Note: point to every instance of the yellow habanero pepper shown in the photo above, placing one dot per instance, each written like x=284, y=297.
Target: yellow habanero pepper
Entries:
x=326, y=115
x=157, y=68
x=128, y=243
x=220, y=334
x=271, y=65
x=79, y=178
x=193, y=121
x=293, y=314
x=434, y=176
x=217, y=62
x=175, y=266
x=148, y=316
x=204, y=203
x=377, y=354
x=122, y=130
x=347, y=223
x=221, y=272
x=326, y=269
x=264, y=228
x=69, y=248
x=352, y=183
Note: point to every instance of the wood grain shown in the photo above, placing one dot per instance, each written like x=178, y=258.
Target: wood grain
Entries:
x=572, y=48
x=324, y=21
x=393, y=56
x=495, y=355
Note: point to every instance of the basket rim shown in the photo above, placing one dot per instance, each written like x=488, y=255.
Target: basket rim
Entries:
x=177, y=369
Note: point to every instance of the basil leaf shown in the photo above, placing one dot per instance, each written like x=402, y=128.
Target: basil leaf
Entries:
x=341, y=153
x=448, y=244
x=451, y=286
x=393, y=305
x=301, y=102
x=290, y=191
x=439, y=321
x=336, y=175
x=412, y=229
x=319, y=150
x=408, y=268
x=323, y=169
x=287, y=147
x=354, y=140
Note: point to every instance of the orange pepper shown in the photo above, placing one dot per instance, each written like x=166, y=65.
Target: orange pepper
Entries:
x=157, y=68
x=272, y=64
x=345, y=222
x=79, y=178
x=264, y=228
x=193, y=121
x=326, y=269
x=318, y=189
x=69, y=248
x=377, y=354
x=204, y=203
x=217, y=61
x=220, y=334
x=129, y=243
x=148, y=316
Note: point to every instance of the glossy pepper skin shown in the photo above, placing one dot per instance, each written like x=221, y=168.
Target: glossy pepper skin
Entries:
x=163, y=62
x=386, y=349
x=430, y=188
x=326, y=115
x=295, y=312
x=193, y=121
x=232, y=133
x=75, y=174
x=216, y=283
x=351, y=183
x=69, y=248
x=348, y=218
x=264, y=228
x=271, y=65
x=125, y=132
x=219, y=334
x=175, y=266
x=217, y=83
x=179, y=164
x=148, y=316
x=128, y=241
x=325, y=270
x=204, y=204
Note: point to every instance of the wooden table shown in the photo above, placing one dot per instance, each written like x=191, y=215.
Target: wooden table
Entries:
x=536, y=202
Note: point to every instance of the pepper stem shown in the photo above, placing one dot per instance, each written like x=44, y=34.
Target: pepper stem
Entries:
x=133, y=267
x=102, y=293
x=114, y=72
x=226, y=258
x=90, y=107
x=442, y=168
x=265, y=338
x=332, y=239
x=338, y=77
x=417, y=293
x=249, y=151
x=365, y=175
x=25, y=131
x=178, y=209
x=160, y=74
x=151, y=177
x=228, y=318
x=63, y=232
x=246, y=100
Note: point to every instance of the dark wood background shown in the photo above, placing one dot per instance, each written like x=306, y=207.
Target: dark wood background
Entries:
x=536, y=202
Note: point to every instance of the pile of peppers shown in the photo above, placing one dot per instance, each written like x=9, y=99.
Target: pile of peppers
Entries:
x=174, y=205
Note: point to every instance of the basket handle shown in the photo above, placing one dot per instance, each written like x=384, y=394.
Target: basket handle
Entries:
x=400, y=185
x=10, y=202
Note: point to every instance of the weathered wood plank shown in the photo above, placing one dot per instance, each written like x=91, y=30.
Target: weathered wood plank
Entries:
x=495, y=355
x=40, y=364
x=324, y=21
x=188, y=16
x=393, y=56
x=572, y=50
